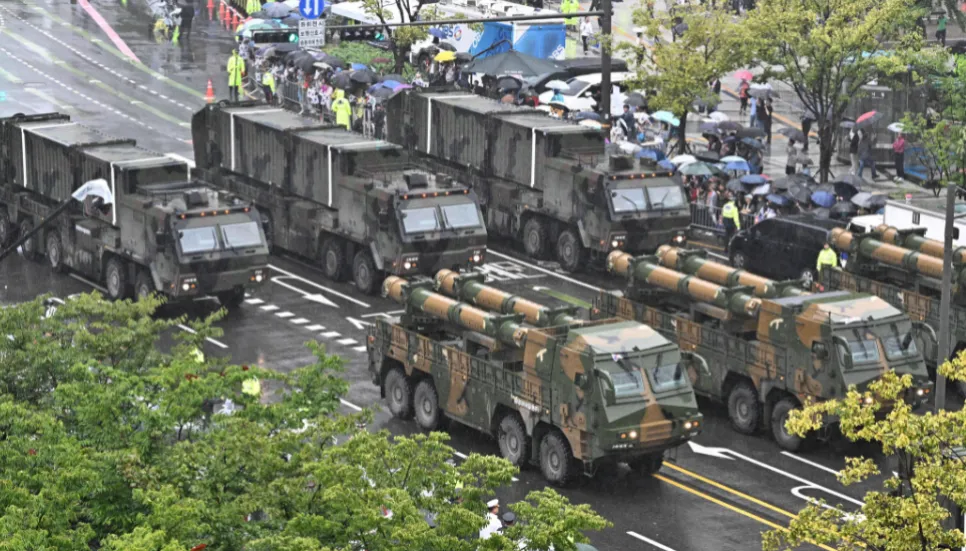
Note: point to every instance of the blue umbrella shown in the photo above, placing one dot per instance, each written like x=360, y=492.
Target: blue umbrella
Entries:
x=666, y=117
x=647, y=154
x=753, y=179
x=357, y=66
x=666, y=165
x=437, y=32
x=737, y=165
x=276, y=10
x=753, y=143
x=391, y=83
x=779, y=200
x=823, y=199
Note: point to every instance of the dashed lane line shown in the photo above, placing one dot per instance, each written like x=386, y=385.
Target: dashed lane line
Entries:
x=157, y=76
x=347, y=342
x=269, y=307
x=331, y=335
x=285, y=315
x=649, y=541
x=254, y=301
x=299, y=321
x=316, y=328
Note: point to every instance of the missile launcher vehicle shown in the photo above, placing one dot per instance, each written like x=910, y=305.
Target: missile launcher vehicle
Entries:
x=571, y=396
x=765, y=356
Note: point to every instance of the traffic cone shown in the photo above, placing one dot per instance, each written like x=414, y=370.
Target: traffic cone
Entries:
x=210, y=93
x=228, y=18
x=235, y=22
x=211, y=9
x=221, y=10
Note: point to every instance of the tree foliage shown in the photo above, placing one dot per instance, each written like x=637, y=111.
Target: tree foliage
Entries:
x=827, y=50
x=926, y=472
x=679, y=71
x=108, y=442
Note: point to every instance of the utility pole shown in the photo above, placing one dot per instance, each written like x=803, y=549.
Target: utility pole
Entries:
x=605, y=58
x=947, y=291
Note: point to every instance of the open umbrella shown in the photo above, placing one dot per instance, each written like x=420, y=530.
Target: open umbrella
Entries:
x=635, y=100
x=753, y=179
x=557, y=85
x=750, y=133
x=792, y=133
x=444, y=56
x=706, y=156
x=823, y=198
x=666, y=117
x=718, y=116
x=866, y=200
x=699, y=168
x=306, y=63
x=820, y=213
x=392, y=76
x=341, y=80
x=788, y=181
x=586, y=115
x=740, y=164
x=896, y=127
x=709, y=128
x=391, y=84
x=870, y=117
x=844, y=209
x=744, y=74
x=734, y=184
x=799, y=193
x=729, y=126
x=512, y=62
x=846, y=124
x=276, y=10
x=760, y=92
x=763, y=189
x=508, y=83
x=732, y=159
x=381, y=92
x=779, y=200
x=683, y=159
x=363, y=76
x=358, y=66
x=753, y=143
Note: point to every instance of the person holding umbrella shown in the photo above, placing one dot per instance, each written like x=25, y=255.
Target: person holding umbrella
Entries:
x=899, y=153
x=743, y=96
x=792, y=159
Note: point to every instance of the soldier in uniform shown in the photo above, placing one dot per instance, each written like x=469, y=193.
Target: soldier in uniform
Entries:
x=493, y=524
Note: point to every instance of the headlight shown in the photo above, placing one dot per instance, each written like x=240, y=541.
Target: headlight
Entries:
x=678, y=239
x=407, y=265
x=688, y=425
x=632, y=435
x=869, y=400
x=614, y=244
x=477, y=258
x=920, y=392
x=258, y=278
x=185, y=286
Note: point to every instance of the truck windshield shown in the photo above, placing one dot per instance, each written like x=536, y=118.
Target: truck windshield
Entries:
x=626, y=383
x=668, y=377
x=862, y=348
x=463, y=215
x=198, y=240
x=665, y=197
x=900, y=347
x=628, y=200
x=244, y=234
x=420, y=220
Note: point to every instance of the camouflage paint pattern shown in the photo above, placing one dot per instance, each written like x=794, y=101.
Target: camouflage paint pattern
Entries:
x=695, y=262
x=554, y=378
x=914, y=240
x=470, y=288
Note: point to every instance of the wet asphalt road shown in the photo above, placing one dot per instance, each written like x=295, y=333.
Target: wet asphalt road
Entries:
x=54, y=57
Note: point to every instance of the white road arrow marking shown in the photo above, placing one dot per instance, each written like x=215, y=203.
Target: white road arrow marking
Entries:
x=358, y=324
x=314, y=297
x=321, y=288
x=720, y=453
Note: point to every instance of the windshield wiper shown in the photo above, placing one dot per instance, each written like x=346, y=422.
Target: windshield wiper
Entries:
x=634, y=206
x=660, y=202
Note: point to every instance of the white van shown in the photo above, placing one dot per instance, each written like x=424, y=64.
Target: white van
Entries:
x=903, y=216
x=580, y=92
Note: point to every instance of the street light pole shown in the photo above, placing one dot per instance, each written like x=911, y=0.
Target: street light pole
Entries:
x=607, y=47
x=946, y=296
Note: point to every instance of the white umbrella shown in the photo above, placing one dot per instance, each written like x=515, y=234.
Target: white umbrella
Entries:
x=731, y=159
x=590, y=123
x=683, y=159
x=896, y=127
x=718, y=116
x=557, y=85
x=97, y=187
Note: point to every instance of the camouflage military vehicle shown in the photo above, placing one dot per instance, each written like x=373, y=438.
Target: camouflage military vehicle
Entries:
x=766, y=355
x=544, y=182
x=904, y=269
x=164, y=233
x=350, y=204
x=571, y=397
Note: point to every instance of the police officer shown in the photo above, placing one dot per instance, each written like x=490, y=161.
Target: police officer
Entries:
x=268, y=85
x=826, y=257
x=570, y=7
x=731, y=218
x=342, y=110
x=236, y=67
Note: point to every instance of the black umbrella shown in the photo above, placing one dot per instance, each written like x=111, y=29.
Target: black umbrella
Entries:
x=851, y=179
x=381, y=92
x=635, y=100
x=752, y=143
x=306, y=63
x=333, y=61
x=751, y=133
x=707, y=156
x=788, y=181
x=341, y=80
x=512, y=63
x=508, y=83
x=760, y=92
x=792, y=133
x=735, y=185
x=843, y=209
x=709, y=128
x=820, y=213
x=729, y=126
x=586, y=116
x=363, y=76
x=799, y=192
x=847, y=124
x=869, y=201
x=294, y=55
x=393, y=76
x=844, y=190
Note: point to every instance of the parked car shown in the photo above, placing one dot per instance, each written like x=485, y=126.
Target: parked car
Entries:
x=570, y=68
x=580, y=92
x=782, y=248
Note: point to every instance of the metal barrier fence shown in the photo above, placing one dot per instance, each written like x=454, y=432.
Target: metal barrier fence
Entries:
x=708, y=218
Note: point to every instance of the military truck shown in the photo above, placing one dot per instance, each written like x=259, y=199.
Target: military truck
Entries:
x=544, y=182
x=338, y=198
x=163, y=233
x=766, y=356
x=572, y=398
x=904, y=269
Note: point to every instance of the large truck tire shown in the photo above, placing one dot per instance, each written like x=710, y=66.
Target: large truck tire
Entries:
x=570, y=251
x=30, y=249
x=744, y=409
x=647, y=465
x=115, y=278
x=364, y=273
x=534, y=237
x=513, y=440
x=143, y=286
x=6, y=227
x=232, y=299
x=399, y=394
x=779, y=414
x=426, y=405
x=556, y=460
x=333, y=259
x=55, y=252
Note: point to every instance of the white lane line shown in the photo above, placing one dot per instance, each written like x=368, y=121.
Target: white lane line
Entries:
x=254, y=301
x=269, y=307
x=299, y=321
x=387, y=314
x=544, y=270
x=331, y=335
x=187, y=329
x=648, y=540
x=349, y=405
x=347, y=342
x=316, y=328
x=319, y=287
x=359, y=348
x=285, y=315
x=812, y=463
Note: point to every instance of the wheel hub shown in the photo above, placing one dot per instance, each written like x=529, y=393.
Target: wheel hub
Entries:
x=554, y=460
x=513, y=443
x=397, y=394
x=743, y=409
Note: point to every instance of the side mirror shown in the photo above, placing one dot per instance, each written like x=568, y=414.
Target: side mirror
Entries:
x=820, y=351
x=162, y=238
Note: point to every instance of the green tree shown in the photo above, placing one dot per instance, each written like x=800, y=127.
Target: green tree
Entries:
x=827, y=50
x=927, y=463
x=113, y=444
x=679, y=72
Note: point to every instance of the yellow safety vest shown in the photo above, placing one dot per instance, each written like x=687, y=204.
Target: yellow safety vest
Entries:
x=826, y=257
x=569, y=6
x=253, y=6
x=269, y=80
x=236, y=66
x=730, y=212
x=343, y=112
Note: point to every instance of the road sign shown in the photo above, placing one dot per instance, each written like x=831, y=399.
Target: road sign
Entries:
x=312, y=33
x=311, y=9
